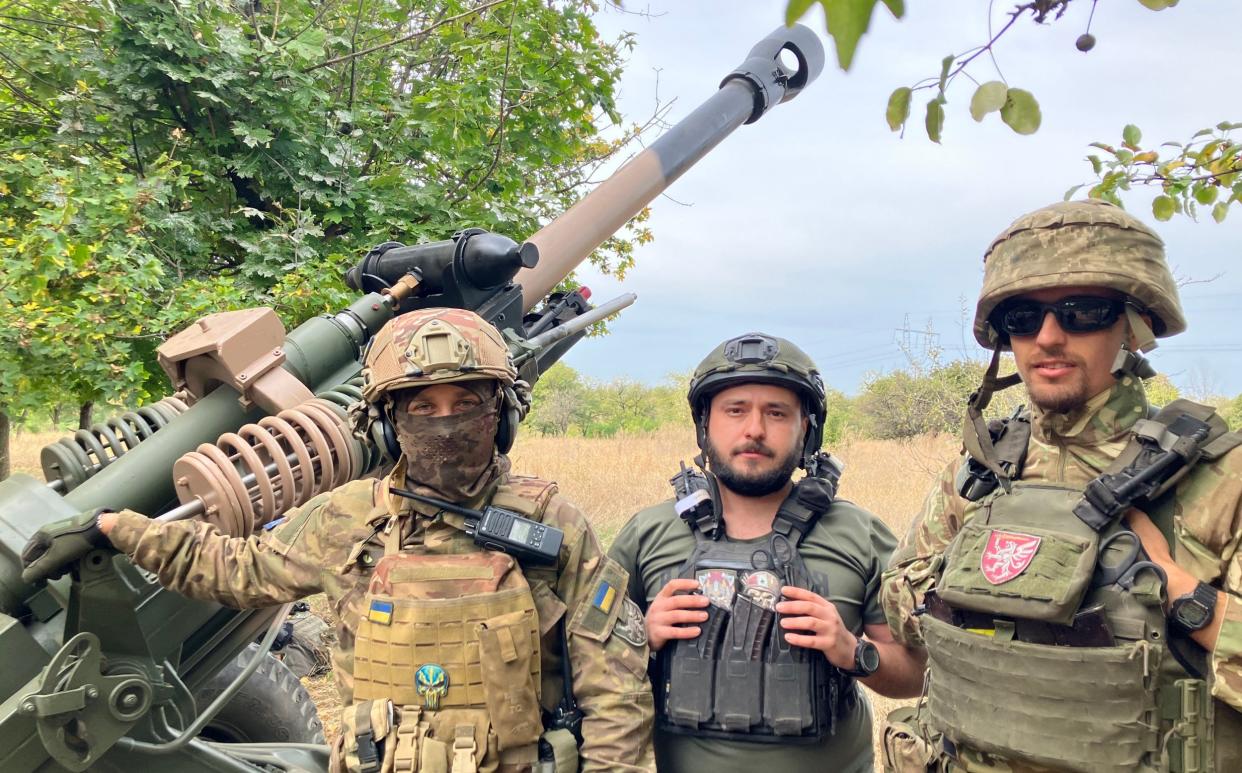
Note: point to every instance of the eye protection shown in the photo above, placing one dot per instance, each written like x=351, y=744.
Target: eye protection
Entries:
x=1079, y=314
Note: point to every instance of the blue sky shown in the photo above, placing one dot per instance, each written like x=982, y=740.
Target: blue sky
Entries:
x=818, y=224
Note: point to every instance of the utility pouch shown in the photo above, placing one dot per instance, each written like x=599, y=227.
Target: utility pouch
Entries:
x=905, y=748
x=367, y=738
x=692, y=671
x=507, y=645
x=1190, y=745
x=1021, y=571
x=1081, y=709
x=558, y=752
x=787, y=685
x=739, y=672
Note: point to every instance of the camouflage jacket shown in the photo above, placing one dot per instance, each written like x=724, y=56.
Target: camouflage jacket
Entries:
x=328, y=546
x=1072, y=449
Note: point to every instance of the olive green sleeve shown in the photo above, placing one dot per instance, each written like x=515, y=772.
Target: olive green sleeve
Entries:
x=609, y=671
x=196, y=559
x=624, y=551
x=883, y=542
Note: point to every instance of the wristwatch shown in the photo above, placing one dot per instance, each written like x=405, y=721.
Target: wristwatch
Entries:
x=1195, y=610
x=866, y=659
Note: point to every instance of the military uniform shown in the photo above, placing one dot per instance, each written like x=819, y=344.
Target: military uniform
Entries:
x=330, y=546
x=1048, y=644
x=845, y=553
x=447, y=654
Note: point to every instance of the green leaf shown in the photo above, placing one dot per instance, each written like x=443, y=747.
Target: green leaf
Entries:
x=1220, y=211
x=946, y=64
x=847, y=21
x=1021, y=112
x=988, y=98
x=935, y=119
x=1096, y=164
x=1069, y=194
x=1131, y=135
x=1206, y=194
x=1158, y=5
x=796, y=9
x=1163, y=207
x=898, y=109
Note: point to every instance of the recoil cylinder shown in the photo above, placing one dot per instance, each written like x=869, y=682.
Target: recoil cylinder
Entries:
x=71, y=461
x=252, y=476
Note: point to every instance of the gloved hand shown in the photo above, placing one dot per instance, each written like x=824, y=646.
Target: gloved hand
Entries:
x=55, y=546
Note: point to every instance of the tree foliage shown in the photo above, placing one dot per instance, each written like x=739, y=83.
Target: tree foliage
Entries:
x=160, y=160
x=1205, y=171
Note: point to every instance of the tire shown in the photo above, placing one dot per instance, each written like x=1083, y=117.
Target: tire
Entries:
x=271, y=707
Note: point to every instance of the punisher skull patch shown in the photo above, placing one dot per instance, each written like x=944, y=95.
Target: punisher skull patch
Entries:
x=1007, y=555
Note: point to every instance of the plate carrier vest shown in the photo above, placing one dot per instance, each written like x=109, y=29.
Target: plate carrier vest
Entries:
x=1046, y=636
x=447, y=655
x=739, y=679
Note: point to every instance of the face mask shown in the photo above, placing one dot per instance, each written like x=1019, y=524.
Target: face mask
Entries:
x=451, y=457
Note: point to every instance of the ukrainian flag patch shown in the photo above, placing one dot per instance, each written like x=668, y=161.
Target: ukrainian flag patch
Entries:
x=605, y=595
x=380, y=612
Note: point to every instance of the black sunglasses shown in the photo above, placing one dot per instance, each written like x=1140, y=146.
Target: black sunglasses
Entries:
x=1078, y=314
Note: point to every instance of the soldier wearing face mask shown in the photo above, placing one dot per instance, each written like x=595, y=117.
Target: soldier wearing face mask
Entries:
x=449, y=656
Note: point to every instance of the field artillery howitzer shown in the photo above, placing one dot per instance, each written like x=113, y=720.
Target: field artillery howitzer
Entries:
x=102, y=665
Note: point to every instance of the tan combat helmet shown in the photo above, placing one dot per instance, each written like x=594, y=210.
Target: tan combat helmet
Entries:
x=1090, y=243
x=438, y=346
x=434, y=346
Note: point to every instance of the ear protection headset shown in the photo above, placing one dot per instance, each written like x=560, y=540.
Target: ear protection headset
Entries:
x=510, y=415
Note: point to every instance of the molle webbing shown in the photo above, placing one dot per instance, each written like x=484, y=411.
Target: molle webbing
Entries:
x=1089, y=710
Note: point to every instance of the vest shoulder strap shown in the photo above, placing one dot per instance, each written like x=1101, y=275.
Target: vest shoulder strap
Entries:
x=810, y=498
x=1011, y=437
x=526, y=495
x=1162, y=450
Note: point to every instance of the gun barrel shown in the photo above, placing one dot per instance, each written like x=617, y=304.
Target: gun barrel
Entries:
x=762, y=81
x=582, y=321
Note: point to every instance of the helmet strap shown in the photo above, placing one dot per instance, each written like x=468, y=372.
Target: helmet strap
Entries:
x=1129, y=362
x=975, y=435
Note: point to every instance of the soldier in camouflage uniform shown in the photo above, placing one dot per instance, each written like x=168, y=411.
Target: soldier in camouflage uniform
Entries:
x=446, y=654
x=1069, y=624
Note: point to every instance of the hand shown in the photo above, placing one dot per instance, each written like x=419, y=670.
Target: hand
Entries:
x=56, y=545
x=1180, y=581
x=677, y=603
x=806, y=610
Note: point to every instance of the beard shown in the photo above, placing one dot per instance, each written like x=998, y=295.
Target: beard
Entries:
x=1065, y=397
x=752, y=484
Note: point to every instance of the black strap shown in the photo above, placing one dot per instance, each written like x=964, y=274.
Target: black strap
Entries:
x=809, y=500
x=1160, y=451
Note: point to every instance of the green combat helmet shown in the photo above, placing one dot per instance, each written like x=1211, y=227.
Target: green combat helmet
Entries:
x=1085, y=243
x=1088, y=243
x=437, y=346
x=763, y=359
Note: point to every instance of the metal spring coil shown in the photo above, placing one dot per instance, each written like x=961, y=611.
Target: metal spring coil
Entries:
x=71, y=461
x=252, y=476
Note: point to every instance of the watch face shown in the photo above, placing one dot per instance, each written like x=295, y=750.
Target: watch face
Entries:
x=868, y=657
x=1193, y=615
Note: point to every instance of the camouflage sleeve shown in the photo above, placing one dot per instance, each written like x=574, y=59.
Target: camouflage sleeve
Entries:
x=196, y=559
x=624, y=551
x=607, y=650
x=917, y=560
x=1207, y=532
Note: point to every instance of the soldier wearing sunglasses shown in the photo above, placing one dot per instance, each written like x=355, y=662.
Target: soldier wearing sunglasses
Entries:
x=1075, y=576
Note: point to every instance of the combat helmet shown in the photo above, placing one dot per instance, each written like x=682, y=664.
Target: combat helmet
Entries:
x=1089, y=243
x=438, y=346
x=763, y=359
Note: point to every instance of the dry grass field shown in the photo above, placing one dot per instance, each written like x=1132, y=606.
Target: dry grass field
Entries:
x=613, y=478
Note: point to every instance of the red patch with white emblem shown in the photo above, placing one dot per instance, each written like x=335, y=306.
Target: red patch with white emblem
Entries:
x=1007, y=555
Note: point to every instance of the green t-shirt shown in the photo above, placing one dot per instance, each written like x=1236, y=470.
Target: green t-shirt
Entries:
x=847, y=550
